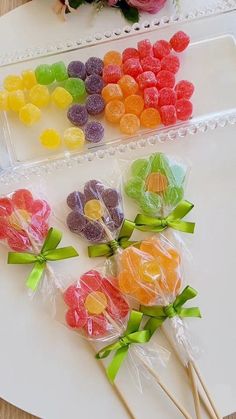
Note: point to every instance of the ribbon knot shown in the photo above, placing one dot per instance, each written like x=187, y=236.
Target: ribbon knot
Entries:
x=41, y=258
x=114, y=245
x=170, y=311
x=164, y=223
x=123, y=341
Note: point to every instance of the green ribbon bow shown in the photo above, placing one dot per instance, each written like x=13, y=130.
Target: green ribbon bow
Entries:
x=158, y=314
x=49, y=252
x=121, y=346
x=109, y=248
x=174, y=220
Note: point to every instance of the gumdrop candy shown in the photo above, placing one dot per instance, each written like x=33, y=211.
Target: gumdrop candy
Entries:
x=110, y=198
x=112, y=91
x=151, y=64
x=74, y=138
x=94, y=65
x=150, y=203
x=76, y=88
x=156, y=182
x=112, y=57
x=23, y=199
x=6, y=207
x=168, y=115
x=132, y=67
x=179, y=41
x=184, y=109
x=165, y=79
x=76, y=221
x=94, y=84
x=171, y=63
x=128, y=85
x=134, y=187
x=44, y=74
x=77, y=115
x=94, y=232
x=60, y=71
x=29, y=79
x=76, y=69
x=151, y=97
x=4, y=106
x=16, y=100
x=146, y=79
x=161, y=49
x=76, y=200
x=167, y=96
x=94, y=132
x=29, y=114
x=114, y=111
x=139, y=167
x=150, y=118
x=134, y=104
x=93, y=209
x=184, y=89
x=61, y=98
x=130, y=53
x=145, y=48
x=39, y=95
x=95, y=104
x=50, y=138
x=129, y=124
x=12, y=83
x=112, y=73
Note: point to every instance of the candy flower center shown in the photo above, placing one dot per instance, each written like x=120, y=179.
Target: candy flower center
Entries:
x=96, y=302
x=17, y=220
x=156, y=182
x=150, y=272
x=93, y=209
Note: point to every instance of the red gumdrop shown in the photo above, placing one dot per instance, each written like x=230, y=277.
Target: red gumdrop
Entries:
x=18, y=240
x=146, y=79
x=41, y=208
x=6, y=207
x=38, y=228
x=184, y=89
x=90, y=281
x=129, y=53
x=167, y=96
x=4, y=228
x=72, y=296
x=118, y=308
x=161, y=49
x=76, y=318
x=97, y=326
x=132, y=67
x=23, y=199
x=112, y=73
x=165, y=79
x=171, y=63
x=184, y=109
x=151, y=64
x=168, y=115
x=150, y=96
x=145, y=48
x=179, y=41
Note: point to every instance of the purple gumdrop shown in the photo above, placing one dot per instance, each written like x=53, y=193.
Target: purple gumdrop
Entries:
x=77, y=69
x=77, y=115
x=94, y=132
x=93, y=189
x=110, y=198
x=94, y=232
x=94, y=65
x=95, y=104
x=117, y=216
x=76, y=222
x=76, y=200
x=94, y=84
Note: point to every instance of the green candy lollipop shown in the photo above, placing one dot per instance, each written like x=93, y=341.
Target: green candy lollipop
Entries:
x=151, y=203
x=44, y=74
x=140, y=168
x=134, y=187
x=60, y=71
x=173, y=195
x=76, y=88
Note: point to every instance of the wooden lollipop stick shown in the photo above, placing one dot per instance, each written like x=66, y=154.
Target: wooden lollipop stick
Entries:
x=195, y=390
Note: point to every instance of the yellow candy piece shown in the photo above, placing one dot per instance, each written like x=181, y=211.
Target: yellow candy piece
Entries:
x=150, y=271
x=12, y=83
x=74, y=138
x=61, y=98
x=4, y=106
x=16, y=100
x=96, y=302
x=29, y=114
x=29, y=79
x=93, y=209
x=39, y=95
x=50, y=138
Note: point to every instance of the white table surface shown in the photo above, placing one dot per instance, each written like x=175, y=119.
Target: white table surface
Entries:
x=46, y=369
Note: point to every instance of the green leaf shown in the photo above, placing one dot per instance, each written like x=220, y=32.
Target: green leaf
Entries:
x=130, y=13
x=76, y=3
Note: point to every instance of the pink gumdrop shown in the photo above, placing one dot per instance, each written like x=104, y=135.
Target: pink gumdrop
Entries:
x=146, y=79
x=18, y=240
x=151, y=64
x=23, y=199
x=150, y=96
x=97, y=326
x=184, y=109
x=161, y=49
x=179, y=41
x=130, y=53
x=112, y=73
x=168, y=115
x=167, y=96
x=171, y=63
x=145, y=48
x=41, y=208
x=184, y=89
x=132, y=67
x=38, y=228
x=76, y=318
x=165, y=79
x=6, y=207
x=72, y=296
x=4, y=228
x=90, y=281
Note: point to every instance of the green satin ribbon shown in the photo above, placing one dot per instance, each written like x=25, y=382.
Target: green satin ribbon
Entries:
x=158, y=314
x=109, y=248
x=49, y=252
x=174, y=220
x=121, y=346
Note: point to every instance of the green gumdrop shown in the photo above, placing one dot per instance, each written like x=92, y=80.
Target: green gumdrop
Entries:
x=75, y=87
x=179, y=174
x=44, y=74
x=151, y=204
x=173, y=195
x=60, y=71
x=139, y=168
x=134, y=187
x=158, y=162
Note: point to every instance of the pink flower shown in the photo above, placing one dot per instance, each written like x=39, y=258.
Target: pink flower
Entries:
x=112, y=2
x=150, y=6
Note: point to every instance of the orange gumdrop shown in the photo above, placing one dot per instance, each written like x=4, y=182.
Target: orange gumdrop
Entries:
x=156, y=182
x=111, y=91
x=127, y=283
x=129, y=124
x=150, y=118
x=130, y=259
x=128, y=85
x=145, y=295
x=134, y=104
x=172, y=282
x=114, y=111
x=112, y=57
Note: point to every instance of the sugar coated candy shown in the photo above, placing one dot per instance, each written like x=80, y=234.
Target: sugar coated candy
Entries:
x=39, y=95
x=146, y=79
x=50, y=138
x=130, y=53
x=184, y=109
x=134, y=104
x=145, y=48
x=60, y=71
x=167, y=96
x=61, y=98
x=4, y=106
x=112, y=91
x=128, y=85
x=94, y=65
x=161, y=49
x=129, y=124
x=150, y=63
x=150, y=118
x=132, y=67
x=77, y=115
x=29, y=114
x=179, y=41
x=112, y=73
x=16, y=100
x=76, y=69
x=76, y=200
x=94, y=132
x=168, y=115
x=44, y=74
x=171, y=63
x=184, y=89
x=112, y=57
x=114, y=111
x=151, y=96
x=29, y=79
x=76, y=88
x=165, y=79
x=94, y=84
x=76, y=221
x=95, y=104
x=12, y=83
x=74, y=138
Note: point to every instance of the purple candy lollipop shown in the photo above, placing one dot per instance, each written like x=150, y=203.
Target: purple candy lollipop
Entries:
x=76, y=200
x=94, y=232
x=110, y=198
x=94, y=84
x=94, y=65
x=77, y=115
x=76, y=221
x=95, y=104
x=94, y=132
x=77, y=69
x=93, y=189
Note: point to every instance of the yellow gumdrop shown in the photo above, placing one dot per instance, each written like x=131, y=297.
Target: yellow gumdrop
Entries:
x=16, y=100
x=29, y=114
x=150, y=271
x=61, y=98
x=50, y=138
x=74, y=138
x=96, y=302
x=12, y=83
x=29, y=79
x=4, y=106
x=39, y=95
x=93, y=209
